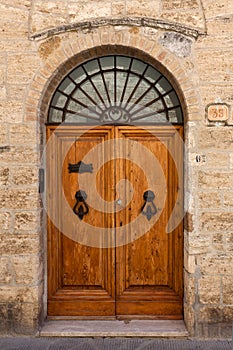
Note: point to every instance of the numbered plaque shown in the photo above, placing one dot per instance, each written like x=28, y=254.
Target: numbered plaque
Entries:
x=217, y=112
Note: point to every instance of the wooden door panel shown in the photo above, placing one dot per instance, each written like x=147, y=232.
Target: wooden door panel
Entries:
x=83, y=266
x=147, y=256
x=149, y=269
x=81, y=279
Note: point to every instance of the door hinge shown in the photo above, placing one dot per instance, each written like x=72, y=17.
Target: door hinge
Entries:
x=80, y=167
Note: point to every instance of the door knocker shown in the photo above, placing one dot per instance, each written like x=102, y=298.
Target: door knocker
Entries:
x=149, y=209
x=81, y=208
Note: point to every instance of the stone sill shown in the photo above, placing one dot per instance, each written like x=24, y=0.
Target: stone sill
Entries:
x=114, y=328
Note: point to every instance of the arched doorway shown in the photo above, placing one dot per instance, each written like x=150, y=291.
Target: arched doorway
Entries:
x=114, y=175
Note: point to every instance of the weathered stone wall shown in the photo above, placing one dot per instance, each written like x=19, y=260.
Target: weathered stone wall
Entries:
x=46, y=15
x=193, y=40
x=20, y=230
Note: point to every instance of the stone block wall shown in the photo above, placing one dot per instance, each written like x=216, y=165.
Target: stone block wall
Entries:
x=193, y=40
x=45, y=15
x=20, y=210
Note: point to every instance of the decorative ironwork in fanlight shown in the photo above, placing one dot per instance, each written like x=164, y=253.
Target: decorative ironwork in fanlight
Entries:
x=115, y=89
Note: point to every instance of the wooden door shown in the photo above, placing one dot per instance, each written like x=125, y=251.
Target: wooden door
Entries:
x=149, y=268
x=138, y=273
x=81, y=278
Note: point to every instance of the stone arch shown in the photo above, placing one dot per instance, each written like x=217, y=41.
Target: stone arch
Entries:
x=63, y=52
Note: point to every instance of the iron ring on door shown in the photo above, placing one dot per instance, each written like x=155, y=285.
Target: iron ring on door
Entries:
x=81, y=208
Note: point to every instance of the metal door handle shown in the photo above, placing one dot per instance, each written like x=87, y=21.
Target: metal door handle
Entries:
x=149, y=209
x=81, y=208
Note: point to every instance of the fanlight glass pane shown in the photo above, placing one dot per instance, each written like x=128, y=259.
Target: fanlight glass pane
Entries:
x=115, y=89
x=176, y=114
x=152, y=74
x=91, y=67
x=121, y=83
x=138, y=66
x=59, y=100
x=55, y=115
x=163, y=85
x=78, y=75
x=109, y=88
x=67, y=86
x=171, y=99
x=132, y=81
x=107, y=62
x=123, y=62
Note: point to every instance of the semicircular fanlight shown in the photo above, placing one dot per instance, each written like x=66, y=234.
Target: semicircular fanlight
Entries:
x=115, y=89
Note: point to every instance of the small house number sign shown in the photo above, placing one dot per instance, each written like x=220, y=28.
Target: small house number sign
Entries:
x=217, y=112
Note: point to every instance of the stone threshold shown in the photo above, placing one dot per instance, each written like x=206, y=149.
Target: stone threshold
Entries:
x=114, y=328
